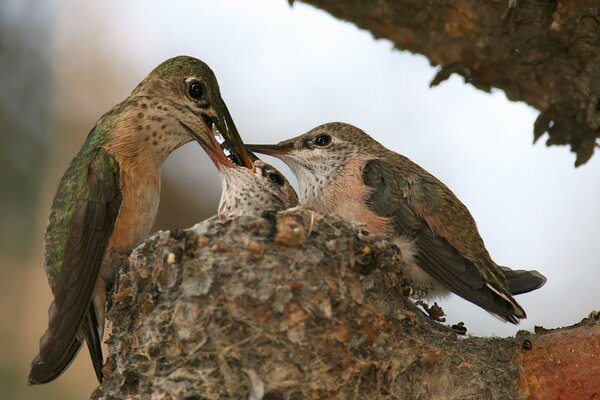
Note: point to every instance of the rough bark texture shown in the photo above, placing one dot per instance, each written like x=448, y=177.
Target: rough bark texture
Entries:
x=296, y=306
x=545, y=53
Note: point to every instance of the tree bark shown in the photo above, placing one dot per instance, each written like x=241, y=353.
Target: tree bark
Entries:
x=545, y=53
x=295, y=305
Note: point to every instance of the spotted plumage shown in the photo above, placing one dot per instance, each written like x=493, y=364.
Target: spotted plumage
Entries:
x=107, y=200
x=253, y=192
x=343, y=170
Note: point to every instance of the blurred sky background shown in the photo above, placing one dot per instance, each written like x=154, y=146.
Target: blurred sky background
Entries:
x=282, y=71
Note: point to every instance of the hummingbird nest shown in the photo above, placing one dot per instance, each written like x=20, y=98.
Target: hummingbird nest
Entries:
x=288, y=305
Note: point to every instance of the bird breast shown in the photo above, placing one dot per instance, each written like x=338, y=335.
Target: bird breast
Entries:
x=347, y=197
x=140, y=191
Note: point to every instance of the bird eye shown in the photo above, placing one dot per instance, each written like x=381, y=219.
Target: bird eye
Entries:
x=196, y=90
x=322, y=140
x=276, y=178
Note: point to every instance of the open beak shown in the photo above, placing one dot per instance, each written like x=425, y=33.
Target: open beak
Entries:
x=274, y=150
x=223, y=145
x=233, y=140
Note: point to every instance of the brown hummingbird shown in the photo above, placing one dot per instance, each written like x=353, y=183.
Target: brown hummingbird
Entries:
x=108, y=198
x=343, y=170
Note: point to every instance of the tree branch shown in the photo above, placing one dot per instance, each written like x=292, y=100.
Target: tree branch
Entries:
x=296, y=305
x=545, y=53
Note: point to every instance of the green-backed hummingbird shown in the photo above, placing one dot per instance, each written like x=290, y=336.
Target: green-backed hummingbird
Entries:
x=107, y=199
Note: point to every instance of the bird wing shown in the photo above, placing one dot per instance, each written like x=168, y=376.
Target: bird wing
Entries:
x=449, y=246
x=84, y=213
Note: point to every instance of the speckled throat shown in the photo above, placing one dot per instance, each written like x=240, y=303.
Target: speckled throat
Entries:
x=147, y=131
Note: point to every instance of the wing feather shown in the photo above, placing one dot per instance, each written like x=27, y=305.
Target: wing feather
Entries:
x=462, y=264
x=95, y=205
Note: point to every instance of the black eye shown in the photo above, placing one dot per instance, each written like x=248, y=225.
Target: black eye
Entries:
x=322, y=140
x=276, y=178
x=196, y=90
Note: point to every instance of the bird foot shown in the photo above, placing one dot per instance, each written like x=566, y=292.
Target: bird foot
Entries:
x=460, y=328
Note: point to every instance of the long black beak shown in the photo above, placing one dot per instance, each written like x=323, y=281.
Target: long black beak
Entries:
x=223, y=144
x=271, y=149
x=232, y=139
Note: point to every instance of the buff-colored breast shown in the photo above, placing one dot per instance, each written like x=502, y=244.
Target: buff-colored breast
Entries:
x=347, y=196
x=142, y=139
x=140, y=191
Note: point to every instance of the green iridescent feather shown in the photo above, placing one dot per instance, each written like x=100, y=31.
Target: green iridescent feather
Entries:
x=73, y=187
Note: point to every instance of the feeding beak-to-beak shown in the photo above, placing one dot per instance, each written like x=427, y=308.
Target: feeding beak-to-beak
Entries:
x=223, y=144
x=271, y=149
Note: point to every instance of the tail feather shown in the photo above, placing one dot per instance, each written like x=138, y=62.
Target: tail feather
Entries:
x=522, y=281
x=42, y=372
x=49, y=364
x=516, y=312
x=93, y=338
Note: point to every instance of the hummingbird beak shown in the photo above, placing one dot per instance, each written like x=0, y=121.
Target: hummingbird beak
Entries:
x=231, y=138
x=217, y=149
x=274, y=150
x=223, y=145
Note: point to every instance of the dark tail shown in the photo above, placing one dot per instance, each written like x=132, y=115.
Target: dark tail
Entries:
x=93, y=339
x=512, y=312
x=521, y=281
x=42, y=372
x=49, y=364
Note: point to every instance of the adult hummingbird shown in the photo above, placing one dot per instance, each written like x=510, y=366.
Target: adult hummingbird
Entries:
x=107, y=200
x=248, y=188
x=343, y=170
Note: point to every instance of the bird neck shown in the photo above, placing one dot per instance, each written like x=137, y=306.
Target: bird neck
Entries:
x=312, y=188
x=317, y=176
x=144, y=132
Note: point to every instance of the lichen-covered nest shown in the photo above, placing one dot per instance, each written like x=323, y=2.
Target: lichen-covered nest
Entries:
x=291, y=305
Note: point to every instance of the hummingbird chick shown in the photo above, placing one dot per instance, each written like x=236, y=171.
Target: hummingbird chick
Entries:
x=107, y=200
x=249, y=188
x=253, y=192
x=344, y=171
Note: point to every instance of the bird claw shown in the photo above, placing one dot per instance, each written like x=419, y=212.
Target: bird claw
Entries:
x=460, y=328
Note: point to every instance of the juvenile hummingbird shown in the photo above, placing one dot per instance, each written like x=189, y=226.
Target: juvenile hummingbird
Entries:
x=253, y=192
x=248, y=188
x=343, y=170
x=108, y=198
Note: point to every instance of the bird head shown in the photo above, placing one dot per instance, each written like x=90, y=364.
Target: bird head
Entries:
x=177, y=102
x=318, y=156
x=322, y=149
x=247, y=191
